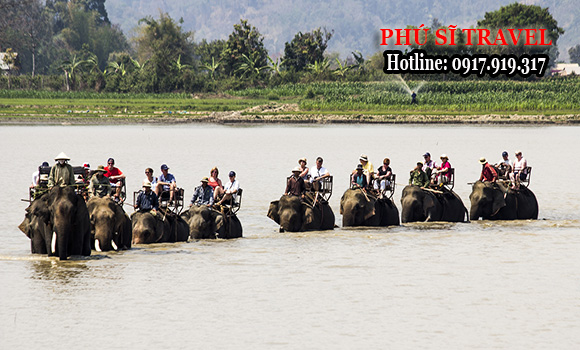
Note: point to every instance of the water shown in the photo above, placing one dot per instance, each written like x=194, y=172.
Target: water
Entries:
x=399, y=79
x=509, y=285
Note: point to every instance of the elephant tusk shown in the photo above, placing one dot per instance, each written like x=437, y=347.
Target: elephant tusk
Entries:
x=97, y=246
x=53, y=243
x=114, y=245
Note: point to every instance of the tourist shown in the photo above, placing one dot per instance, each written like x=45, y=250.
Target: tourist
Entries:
x=116, y=177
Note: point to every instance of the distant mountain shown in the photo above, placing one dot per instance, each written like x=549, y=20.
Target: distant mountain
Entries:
x=356, y=23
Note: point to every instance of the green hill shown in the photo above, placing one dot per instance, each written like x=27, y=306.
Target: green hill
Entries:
x=356, y=23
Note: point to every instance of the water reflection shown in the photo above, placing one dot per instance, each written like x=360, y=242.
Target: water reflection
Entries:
x=60, y=271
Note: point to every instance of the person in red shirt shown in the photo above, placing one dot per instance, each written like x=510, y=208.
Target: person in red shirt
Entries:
x=116, y=177
x=488, y=173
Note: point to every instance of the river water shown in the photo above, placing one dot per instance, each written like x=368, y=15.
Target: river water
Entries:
x=507, y=285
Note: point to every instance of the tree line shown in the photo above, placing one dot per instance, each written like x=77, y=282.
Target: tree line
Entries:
x=72, y=45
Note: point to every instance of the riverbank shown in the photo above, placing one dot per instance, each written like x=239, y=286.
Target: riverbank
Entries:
x=549, y=101
x=279, y=114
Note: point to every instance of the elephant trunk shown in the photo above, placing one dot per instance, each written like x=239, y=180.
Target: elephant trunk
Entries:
x=62, y=230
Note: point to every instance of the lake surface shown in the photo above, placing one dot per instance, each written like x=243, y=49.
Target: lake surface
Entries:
x=507, y=285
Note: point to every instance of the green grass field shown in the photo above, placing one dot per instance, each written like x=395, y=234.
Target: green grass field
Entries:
x=545, y=97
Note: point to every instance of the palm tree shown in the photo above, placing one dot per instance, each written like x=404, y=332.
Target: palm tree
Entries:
x=177, y=65
x=341, y=69
x=250, y=66
x=275, y=66
x=116, y=67
x=212, y=67
x=318, y=67
x=70, y=68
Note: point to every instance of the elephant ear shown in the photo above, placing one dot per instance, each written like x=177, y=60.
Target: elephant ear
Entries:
x=185, y=215
x=24, y=226
x=430, y=203
x=160, y=227
x=219, y=223
x=124, y=228
x=308, y=214
x=498, y=201
x=82, y=226
x=273, y=211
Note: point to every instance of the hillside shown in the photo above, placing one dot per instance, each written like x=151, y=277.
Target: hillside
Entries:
x=355, y=22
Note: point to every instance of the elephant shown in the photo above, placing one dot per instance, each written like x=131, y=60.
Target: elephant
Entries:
x=294, y=215
x=207, y=223
x=497, y=202
x=57, y=224
x=159, y=228
x=421, y=204
x=110, y=225
x=359, y=208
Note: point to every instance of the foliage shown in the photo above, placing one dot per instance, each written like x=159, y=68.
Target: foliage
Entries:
x=306, y=48
x=244, y=40
x=520, y=16
x=574, y=53
x=164, y=45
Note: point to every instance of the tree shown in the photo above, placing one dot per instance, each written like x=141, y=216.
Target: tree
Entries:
x=71, y=68
x=25, y=27
x=306, y=48
x=520, y=16
x=574, y=53
x=244, y=40
x=166, y=46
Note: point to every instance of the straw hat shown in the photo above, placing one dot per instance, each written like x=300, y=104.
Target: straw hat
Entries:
x=482, y=160
x=61, y=155
x=302, y=159
x=101, y=168
x=146, y=184
x=444, y=156
x=296, y=169
x=205, y=179
x=363, y=157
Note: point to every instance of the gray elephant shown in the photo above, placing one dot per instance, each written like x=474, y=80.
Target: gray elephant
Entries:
x=294, y=215
x=110, y=225
x=58, y=224
x=158, y=228
x=359, y=208
x=424, y=205
x=497, y=202
x=207, y=223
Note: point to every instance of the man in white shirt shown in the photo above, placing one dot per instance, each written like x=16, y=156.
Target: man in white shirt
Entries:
x=318, y=173
x=36, y=175
x=229, y=191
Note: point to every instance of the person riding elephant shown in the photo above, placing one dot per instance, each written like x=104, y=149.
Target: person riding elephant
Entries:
x=58, y=224
x=150, y=226
x=110, y=225
x=359, y=208
x=498, y=202
x=207, y=223
x=294, y=215
x=425, y=205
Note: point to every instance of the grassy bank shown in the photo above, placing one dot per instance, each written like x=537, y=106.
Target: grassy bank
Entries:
x=343, y=102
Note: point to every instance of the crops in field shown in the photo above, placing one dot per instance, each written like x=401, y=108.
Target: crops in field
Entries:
x=550, y=95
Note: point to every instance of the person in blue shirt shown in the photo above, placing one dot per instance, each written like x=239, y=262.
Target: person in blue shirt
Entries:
x=166, y=183
x=359, y=179
x=147, y=199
